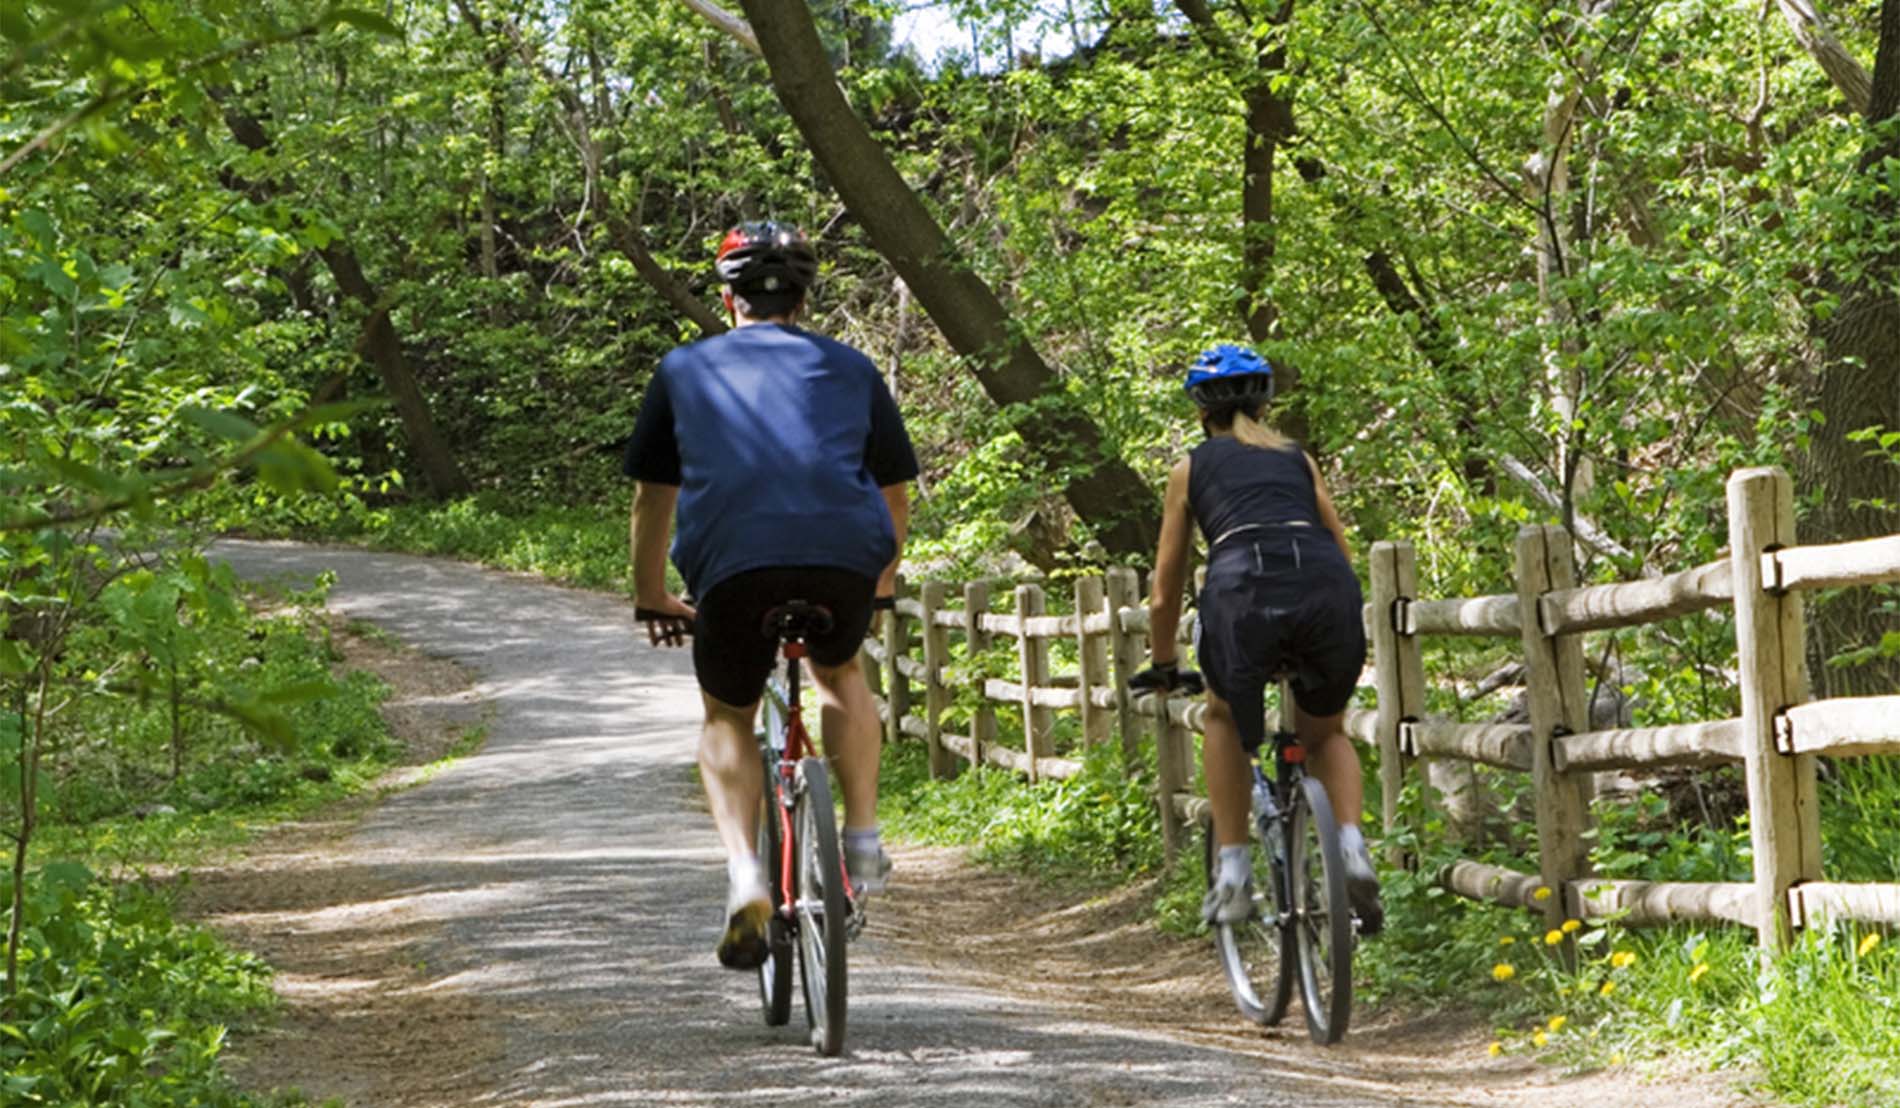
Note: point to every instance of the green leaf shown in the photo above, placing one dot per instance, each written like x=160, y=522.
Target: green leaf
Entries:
x=225, y=425
x=367, y=21
x=12, y=661
x=65, y=876
x=300, y=692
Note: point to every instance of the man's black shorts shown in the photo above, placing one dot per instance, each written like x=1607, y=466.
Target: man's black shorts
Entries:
x=732, y=655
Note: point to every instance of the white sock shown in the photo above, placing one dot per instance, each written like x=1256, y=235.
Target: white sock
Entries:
x=861, y=840
x=742, y=869
x=1350, y=838
x=1236, y=864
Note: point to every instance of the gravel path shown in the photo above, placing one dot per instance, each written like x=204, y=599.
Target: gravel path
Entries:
x=566, y=885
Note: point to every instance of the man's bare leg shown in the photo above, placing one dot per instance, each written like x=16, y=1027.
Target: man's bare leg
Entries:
x=729, y=768
x=848, y=721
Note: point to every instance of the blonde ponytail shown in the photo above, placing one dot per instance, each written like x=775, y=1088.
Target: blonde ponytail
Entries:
x=1253, y=432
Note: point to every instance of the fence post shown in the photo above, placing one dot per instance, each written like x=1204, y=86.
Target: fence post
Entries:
x=1394, y=578
x=943, y=764
x=1553, y=678
x=1171, y=773
x=1783, y=810
x=896, y=685
x=1092, y=656
x=976, y=603
x=1124, y=591
x=1034, y=653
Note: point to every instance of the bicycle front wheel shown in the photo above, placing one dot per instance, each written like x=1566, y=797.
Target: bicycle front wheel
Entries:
x=1256, y=953
x=775, y=973
x=1322, y=919
x=821, y=907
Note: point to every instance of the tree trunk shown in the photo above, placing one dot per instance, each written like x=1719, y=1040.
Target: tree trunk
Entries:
x=1859, y=496
x=1104, y=491
x=1269, y=117
x=1437, y=348
x=380, y=343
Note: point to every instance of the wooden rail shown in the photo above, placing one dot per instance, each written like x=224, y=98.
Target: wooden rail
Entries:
x=1596, y=607
x=1685, y=744
x=1776, y=737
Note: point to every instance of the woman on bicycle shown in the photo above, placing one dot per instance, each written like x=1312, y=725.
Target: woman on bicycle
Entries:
x=1280, y=596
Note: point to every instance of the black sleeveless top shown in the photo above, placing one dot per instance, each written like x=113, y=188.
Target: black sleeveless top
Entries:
x=1236, y=489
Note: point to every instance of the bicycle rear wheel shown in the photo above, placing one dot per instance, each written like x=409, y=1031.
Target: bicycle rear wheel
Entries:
x=1322, y=918
x=1257, y=954
x=821, y=907
x=775, y=973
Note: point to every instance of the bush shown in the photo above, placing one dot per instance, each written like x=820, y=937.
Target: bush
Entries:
x=116, y=1002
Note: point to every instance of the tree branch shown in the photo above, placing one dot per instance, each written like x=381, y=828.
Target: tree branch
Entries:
x=732, y=25
x=1841, y=67
x=1588, y=533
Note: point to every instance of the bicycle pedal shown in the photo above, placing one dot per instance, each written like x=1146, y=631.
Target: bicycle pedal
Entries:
x=854, y=922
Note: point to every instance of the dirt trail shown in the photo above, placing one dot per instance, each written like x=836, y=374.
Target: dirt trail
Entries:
x=534, y=924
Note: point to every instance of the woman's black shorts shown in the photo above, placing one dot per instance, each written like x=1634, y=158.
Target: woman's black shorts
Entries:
x=1285, y=602
x=732, y=654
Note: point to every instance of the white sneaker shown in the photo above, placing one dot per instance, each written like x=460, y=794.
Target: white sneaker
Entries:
x=1362, y=882
x=748, y=913
x=1228, y=903
x=869, y=871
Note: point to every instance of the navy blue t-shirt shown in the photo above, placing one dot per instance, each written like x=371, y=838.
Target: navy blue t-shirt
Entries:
x=779, y=441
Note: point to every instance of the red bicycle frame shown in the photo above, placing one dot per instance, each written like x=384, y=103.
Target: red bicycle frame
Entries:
x=797, y=746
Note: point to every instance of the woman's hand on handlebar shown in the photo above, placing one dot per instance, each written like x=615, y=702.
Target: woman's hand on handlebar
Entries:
x=669, y=619
x=1166, y=676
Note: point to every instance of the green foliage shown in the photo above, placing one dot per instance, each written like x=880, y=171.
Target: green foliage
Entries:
x=117, y=1003
x=1098, y=825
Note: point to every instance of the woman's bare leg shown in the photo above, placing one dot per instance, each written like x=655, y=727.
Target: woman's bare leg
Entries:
x=1229, y=780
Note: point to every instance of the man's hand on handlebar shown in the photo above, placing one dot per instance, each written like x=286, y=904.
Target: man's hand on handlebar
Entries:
x=669, y=620
x=1167, y=676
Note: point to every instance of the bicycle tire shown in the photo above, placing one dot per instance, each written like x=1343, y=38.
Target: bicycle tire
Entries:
x=821, y=908
x=775, y=973
x=1256, y=955
x=1322, y=918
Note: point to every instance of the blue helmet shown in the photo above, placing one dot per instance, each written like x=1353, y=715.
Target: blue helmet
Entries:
x=1229, y=374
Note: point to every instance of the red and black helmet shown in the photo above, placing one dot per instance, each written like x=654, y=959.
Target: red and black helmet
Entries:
x=766, y=257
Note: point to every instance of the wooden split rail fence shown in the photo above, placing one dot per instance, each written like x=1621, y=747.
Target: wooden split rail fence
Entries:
x=1776, y=738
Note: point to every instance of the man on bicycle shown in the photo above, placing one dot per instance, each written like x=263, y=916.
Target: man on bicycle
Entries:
x=789, y=465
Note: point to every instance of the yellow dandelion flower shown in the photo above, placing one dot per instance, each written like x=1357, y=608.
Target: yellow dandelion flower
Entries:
x=1542, y=892
x=1616, y=1059
x=1557, y=1023
x=1623, y=959
x=1503, y=971
x=1572, y=926
x=1507, y=940
x=1608, y=988
x=1553, y=936
x=1496, y=1048
x=1540, y=1039
x=1867, y=943
x=1696, y=973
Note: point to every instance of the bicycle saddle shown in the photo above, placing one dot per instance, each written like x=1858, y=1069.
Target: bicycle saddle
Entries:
x=796, y=620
